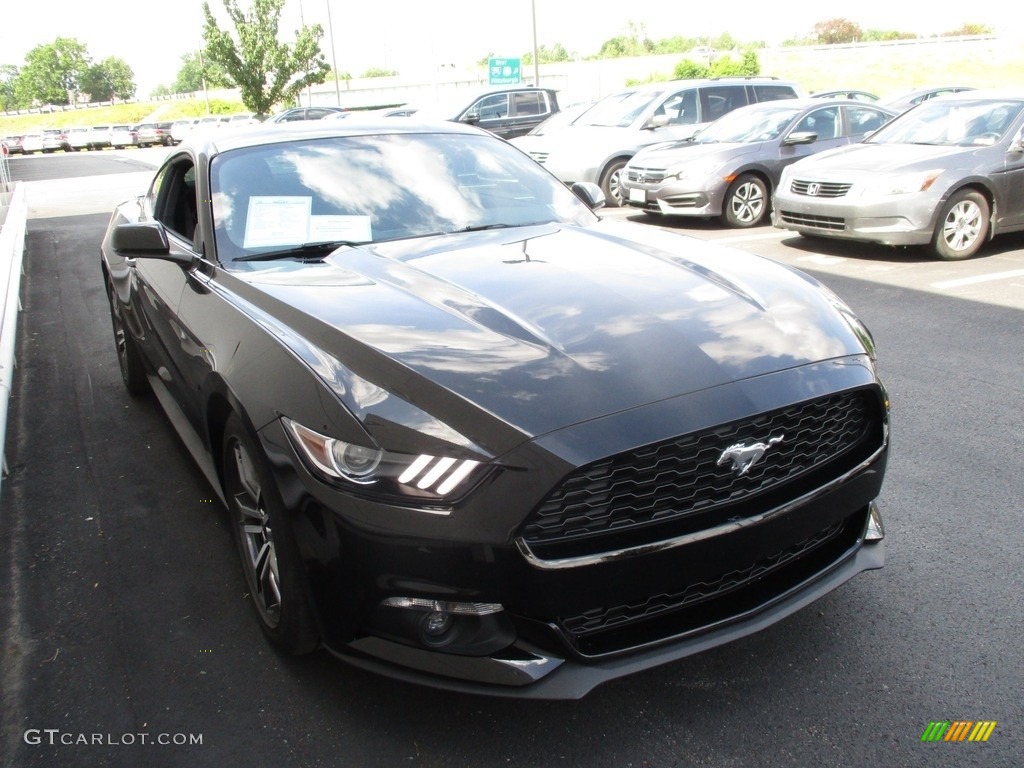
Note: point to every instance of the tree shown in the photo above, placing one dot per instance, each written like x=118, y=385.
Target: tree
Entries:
x=8, y=92
x=969, y=29
x=546, y=55
x=193, y=67
x=635, y=43
x=52, y=72
x=265, y=70
x=111, y=79
x=726, y=66
x=837, y=31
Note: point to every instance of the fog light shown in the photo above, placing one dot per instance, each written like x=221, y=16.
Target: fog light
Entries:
x=875, y=530
x=437, y=623
x=474, y=629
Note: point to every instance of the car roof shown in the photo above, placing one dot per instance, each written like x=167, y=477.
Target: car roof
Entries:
x=264, y=134
x=667, y=85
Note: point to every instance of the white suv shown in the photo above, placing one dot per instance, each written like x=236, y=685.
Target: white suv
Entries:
x=597, y=145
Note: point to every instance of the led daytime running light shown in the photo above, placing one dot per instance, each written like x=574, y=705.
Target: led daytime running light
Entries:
x=443, y=606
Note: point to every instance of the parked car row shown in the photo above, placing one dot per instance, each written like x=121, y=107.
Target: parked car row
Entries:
x=946, y=172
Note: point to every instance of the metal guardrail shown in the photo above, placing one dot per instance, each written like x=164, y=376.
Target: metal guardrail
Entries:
x=13, y=220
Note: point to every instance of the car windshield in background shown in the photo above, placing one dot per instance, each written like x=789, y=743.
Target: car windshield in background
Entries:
x=744, y=126
x=365, y=189
x=618, y=110
x=954, y=123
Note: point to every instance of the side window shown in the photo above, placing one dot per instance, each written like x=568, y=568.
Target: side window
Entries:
x=298, y=114
x=317, y=114
x=491, y=107
x=824, y=122
x=528, y=103
x=864, y=120
x=773, y=92
x=681, y=107
x=718, y=100
x=175, y=204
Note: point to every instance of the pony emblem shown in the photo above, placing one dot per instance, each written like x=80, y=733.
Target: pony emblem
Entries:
x=744, y=456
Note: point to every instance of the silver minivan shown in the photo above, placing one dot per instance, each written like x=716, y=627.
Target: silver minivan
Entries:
x=597, y=145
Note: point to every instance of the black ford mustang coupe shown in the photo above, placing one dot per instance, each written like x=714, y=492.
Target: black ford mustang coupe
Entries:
x=471, y=435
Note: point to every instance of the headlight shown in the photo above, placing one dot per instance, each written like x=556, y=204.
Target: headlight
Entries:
x=903, y=184
x=369, y=470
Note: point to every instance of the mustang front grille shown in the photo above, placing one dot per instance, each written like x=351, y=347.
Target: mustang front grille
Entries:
x=684, y=485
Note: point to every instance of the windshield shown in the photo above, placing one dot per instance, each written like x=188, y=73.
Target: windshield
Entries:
x=619, y=110
x=747, y=125
x=368, y=189
x=953, y=122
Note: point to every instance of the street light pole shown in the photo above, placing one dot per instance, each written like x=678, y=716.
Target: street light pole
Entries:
x=536, y=62
x=334, y=59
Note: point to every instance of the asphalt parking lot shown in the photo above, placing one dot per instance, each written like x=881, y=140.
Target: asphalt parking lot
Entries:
x=125, y=623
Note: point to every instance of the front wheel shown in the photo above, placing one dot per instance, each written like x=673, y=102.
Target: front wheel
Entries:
x=610, y=184
x=963, y=226
x=129, y=359
x=270, y=558
x=746, y=202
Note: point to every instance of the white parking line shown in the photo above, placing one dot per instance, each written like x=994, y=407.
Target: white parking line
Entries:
x=822, y=260
x=978, y=279
x=745, y=238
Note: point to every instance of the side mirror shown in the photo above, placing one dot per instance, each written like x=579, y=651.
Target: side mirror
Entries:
x=658, y=121
x=801, y=137
x=471, y=117
x=1018, y=143
x=589, y=193
x=144, y=240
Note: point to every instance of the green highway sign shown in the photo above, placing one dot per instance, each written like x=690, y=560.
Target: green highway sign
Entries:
x=504, y=71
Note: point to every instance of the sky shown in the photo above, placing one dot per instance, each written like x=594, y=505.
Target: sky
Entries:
x=414, y=36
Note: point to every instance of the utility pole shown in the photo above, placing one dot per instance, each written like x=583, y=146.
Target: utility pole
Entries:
x=334, y=59
x=536, y=61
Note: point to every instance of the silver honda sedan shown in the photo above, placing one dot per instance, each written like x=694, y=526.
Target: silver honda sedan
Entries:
x=948, y=173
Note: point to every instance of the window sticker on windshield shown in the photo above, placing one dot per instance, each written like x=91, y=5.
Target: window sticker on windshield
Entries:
x=337, y=227
x=277, y=220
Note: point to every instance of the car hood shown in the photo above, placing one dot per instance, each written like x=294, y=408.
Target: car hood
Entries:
x=547, y=326
x=873, y=159
x=681, y=152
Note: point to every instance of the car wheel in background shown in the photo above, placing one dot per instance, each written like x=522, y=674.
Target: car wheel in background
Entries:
x=746, y=202
x=270, y=558
x=963, y=226
x=610, y=183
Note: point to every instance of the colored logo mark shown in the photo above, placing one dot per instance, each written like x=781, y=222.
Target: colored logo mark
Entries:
x=958, y=730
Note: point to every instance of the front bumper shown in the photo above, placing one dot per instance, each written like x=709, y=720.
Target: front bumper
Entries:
x=904, y=220
x=526, y=670
x=573, y=613
x=674, y=199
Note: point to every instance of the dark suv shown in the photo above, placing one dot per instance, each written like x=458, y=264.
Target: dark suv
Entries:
x=508, y=112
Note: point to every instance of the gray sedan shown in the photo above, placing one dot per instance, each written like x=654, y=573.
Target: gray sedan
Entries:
x=732, y=166
x=949, y=172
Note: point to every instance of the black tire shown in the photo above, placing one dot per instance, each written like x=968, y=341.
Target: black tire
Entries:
x=129, y=359
x=962, y=228
x=746, y=202
x=270, y=559
x=610, y=184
